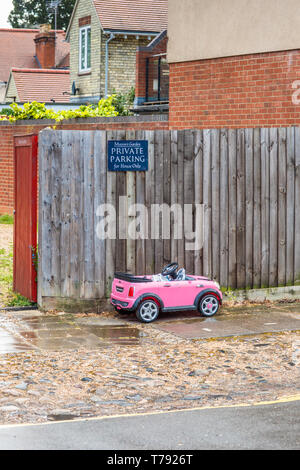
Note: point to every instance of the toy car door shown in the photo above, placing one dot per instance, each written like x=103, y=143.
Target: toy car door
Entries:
x=179, y=293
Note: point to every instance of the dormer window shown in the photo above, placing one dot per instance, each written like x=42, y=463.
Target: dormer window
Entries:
x=85, y=49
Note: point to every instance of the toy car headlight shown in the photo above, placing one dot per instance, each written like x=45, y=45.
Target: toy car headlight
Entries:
x=218, y=285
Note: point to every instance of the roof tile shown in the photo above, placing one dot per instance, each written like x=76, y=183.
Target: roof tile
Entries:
x=42, y=85
x=133, y=15
x=18, y=50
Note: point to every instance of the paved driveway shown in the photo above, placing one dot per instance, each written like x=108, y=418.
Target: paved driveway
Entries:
x=233, y=324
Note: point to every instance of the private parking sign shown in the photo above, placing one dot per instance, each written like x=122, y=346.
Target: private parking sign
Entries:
x=127, y=155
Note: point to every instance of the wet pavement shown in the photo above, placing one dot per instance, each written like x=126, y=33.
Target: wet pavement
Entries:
x=61, y=366
x=23, y=332
x=20, y=332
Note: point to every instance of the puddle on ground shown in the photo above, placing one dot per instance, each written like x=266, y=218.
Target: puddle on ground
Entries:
x=117, y=334
x=59, y=333
x=10, y=343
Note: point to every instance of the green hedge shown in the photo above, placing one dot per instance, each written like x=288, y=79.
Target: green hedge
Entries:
x=106, y=107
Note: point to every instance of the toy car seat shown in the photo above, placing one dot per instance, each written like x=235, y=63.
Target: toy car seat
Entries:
x=181, y=275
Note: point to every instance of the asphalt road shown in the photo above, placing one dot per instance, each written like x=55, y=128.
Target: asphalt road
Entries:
x=273, y=426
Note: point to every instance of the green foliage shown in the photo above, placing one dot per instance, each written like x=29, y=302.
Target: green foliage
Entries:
x=17, y=300
x=124, y=101
x=6, y=219
x=6, y=274
x=6, y=267
x=35, y=257
x=106, y=107
x=6, y=112
x=32, y=13
x=8, y=297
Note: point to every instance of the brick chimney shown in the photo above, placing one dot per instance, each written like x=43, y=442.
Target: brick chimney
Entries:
x=45, y=47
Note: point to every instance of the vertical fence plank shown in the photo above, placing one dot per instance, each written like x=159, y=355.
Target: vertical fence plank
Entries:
x=149, y=200
x=55, y=225
x=110, y=241
x=159, y=179
x=100, y=169
x=55, y=191
x=130, y=191
x=215, y=203
x=297, y=204
x=44, y=240
x=180, y=192
x=281, y=205
x=256, y=209
x=232, y=225
x=224, y=216
x=198, y=184
x=273, y=265
x=121, y=215
x=167, y=195
x=290, y=199
x=66, y=215
x=188, y=184
x=88, y=215
x=249, y=206
x=76, y=182
x=265, y=199
x=207, y=248
x=241, y=210
x=140, y=199
x=174, y=193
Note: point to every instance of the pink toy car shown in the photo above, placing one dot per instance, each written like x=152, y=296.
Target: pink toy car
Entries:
x=170, y=291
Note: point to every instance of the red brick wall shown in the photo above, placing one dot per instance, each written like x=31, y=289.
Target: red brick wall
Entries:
x=7, y=132
x=235, y=92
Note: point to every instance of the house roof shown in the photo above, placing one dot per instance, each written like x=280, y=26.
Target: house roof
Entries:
x=18, y=50
x=132, y=15
x=42, y=85
x=140, y=16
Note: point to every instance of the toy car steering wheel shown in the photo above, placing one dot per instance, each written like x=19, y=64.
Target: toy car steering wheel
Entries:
x=170, y=269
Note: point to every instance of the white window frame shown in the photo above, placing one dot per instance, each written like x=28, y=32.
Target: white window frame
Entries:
x=84, y=69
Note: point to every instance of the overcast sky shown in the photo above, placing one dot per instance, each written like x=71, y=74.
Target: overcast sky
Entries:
x=5, y=8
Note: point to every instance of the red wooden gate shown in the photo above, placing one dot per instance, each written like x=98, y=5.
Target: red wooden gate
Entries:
x=25, y=224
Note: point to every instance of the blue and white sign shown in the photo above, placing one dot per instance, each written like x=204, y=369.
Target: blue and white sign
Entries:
x=127, y=155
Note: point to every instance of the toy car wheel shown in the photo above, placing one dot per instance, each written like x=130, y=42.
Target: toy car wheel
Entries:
x=147, y=311
x=209, y=305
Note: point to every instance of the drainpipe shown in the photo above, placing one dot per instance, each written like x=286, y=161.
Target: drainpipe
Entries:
x=106, y=63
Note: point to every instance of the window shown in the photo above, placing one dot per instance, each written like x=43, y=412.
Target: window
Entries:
x=85, y=49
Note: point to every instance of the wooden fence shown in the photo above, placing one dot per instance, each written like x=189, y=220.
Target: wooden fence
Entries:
x=247, y=179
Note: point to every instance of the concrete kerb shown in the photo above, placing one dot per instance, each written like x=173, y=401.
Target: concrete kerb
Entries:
x=272, y=294
x=91, y=120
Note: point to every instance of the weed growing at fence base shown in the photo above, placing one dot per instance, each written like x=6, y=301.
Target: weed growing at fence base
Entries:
x=8, y=298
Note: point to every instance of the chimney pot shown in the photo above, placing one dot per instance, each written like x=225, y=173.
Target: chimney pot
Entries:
x=45, y=47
